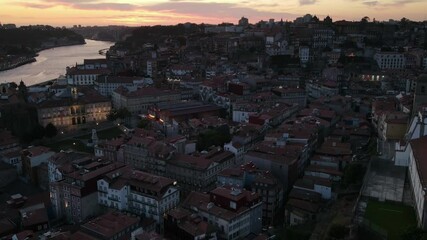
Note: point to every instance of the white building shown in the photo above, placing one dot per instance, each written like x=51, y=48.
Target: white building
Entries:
x=77, y=76
x=417, y=176
x=417, y=129
x=139, y=193
x=237, y=213
x=86, y=73
x=238, y=150
x=105, y=85
x=390, y=60
x=304, y=54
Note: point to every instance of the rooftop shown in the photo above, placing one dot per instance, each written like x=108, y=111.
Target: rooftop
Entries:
x=110, y=224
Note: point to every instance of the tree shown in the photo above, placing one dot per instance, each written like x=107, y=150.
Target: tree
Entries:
x=144, y=123
x=23, y=91
x=315, y=19
x=413, y=233
x=120, y=113
x=338, y=231
x=13, y=85
x=51, y=130
x=38, y=132
x=353, y=174
x=213, y=137
x=365, y=19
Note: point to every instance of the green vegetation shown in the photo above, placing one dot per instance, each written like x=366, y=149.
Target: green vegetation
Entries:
x=338, y=231
x=104, y=134
x=30, y=39
x=213, y=137
x=120, y=113
x=21, y=119
x=50, y=130
x=393, y=218
x=70, y=144
x=353, y=174
x=414, y=233
x=299, y=232
x=144, y=123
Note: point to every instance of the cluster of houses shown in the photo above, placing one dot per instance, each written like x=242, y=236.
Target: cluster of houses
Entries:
x=283, y=107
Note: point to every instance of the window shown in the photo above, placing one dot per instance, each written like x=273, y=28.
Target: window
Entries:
x=423, y=89
x=233, y=205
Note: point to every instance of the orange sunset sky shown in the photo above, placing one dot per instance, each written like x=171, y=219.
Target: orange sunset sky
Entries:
x=153, y=12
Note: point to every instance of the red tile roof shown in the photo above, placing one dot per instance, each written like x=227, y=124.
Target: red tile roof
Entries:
x=110, y=224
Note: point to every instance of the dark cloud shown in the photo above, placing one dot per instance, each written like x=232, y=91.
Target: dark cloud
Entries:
x=386, y=4
x=307, y=2
x=371, y=3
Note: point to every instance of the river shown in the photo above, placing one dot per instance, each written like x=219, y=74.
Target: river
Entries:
x=52, y=62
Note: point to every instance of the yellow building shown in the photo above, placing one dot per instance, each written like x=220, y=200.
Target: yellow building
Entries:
x=76, y=107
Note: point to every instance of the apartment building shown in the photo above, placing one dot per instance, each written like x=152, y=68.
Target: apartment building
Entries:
x=236, y=213
x=199, y=171
x=138, y=100
x=138, y=192
x=75, y=196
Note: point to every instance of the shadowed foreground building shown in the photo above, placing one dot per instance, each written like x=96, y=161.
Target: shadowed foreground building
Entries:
x=236, y=213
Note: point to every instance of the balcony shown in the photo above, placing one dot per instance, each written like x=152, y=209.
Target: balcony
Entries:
x=142, y=202
x=113, y=199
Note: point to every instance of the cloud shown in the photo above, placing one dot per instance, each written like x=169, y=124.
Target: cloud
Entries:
x=307, y=2
x=382, y=4
x=36, y=5
x=371, y=3
x=83, y=5
x=214, y=10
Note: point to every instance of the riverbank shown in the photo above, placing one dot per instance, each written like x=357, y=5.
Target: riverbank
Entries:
x=20, y=61
x=53, y=62
x=14, y=64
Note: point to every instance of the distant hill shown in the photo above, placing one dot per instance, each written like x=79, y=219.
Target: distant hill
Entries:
x=104, y=33
x=31, y=39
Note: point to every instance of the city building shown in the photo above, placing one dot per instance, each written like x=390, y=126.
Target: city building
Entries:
x=417, y=172
x=31, y=158
x=180, y=224
x=77, y=107
x=8, y=142
x=75, y=195
x=139, y=193
x=88, y=72
x=106, y=85
x=111, y=226
x=390, y=60
x=138, y=100
x=236, y=213
x=271, y=191
x=144, y=152
x=199, y=171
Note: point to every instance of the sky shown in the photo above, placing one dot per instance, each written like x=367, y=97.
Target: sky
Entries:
x=167, y=12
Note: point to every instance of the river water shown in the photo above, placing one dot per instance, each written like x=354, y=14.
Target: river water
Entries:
x=52, y=62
